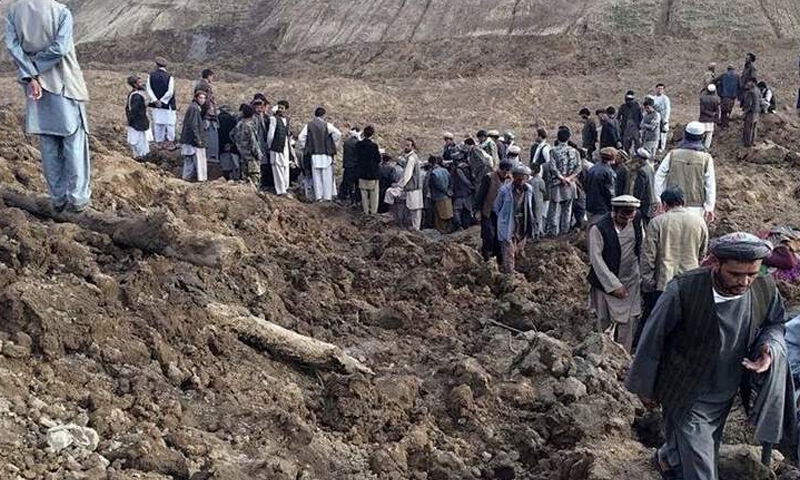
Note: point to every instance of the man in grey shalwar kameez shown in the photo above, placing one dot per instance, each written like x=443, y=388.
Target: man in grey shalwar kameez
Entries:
x=615, y=246
x=39, y=40
x=711, y=326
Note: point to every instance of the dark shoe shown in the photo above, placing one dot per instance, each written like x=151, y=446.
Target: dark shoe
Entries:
x=59, y=208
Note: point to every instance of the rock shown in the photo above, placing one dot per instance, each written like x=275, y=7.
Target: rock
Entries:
x=62, y=436
x=23, y=339
x=36, y=404
x=109, y=422
x=389, y=460
x=601, y=351
x=517, y=311
x=742, y=462
x=470, y=372
x=13, y=350
x=461, y=401
x=544, y=355
x=570, y=389
x=400, y=390
x=58, y=440
x=150, y=455
x=390, y=318
x=175, y=375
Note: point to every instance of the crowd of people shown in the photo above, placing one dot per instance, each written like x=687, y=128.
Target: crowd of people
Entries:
x=700, y=317
x=644, y=209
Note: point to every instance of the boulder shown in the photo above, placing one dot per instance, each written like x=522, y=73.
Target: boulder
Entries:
x=470, y=372
x=570, y=390
x=743, y=462
x=544, y=354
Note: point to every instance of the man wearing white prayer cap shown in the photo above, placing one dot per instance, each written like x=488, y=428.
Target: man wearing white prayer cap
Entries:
x=692, y=170
x=615, y=246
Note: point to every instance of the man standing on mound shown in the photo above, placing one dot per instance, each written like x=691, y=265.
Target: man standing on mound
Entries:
x=39, y=40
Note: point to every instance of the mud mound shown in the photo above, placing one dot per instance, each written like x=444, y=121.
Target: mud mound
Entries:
x=102, y=337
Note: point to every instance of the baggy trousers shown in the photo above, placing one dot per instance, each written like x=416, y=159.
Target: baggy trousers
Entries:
x=67, y=167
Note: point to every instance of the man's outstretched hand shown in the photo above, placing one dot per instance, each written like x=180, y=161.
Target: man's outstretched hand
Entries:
x=762, y=363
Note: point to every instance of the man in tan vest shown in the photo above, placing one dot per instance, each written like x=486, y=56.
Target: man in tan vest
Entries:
x=690, y=167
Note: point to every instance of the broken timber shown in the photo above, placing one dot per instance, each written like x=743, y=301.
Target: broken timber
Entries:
x=284, y=343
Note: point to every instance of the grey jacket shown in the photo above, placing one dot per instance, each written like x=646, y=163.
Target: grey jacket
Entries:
x=39, y=39
x=651, y=126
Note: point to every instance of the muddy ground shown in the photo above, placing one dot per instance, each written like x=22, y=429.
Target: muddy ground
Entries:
x=121, y=340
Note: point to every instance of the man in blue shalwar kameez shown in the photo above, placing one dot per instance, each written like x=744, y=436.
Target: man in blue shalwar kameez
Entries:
x=39, y=40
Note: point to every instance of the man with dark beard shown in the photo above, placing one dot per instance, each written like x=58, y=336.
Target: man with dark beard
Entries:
x=712, y=329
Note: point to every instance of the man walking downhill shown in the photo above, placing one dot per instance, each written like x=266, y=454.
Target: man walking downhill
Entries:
x=709, y=111
x=229, y=160
x=711, y=327
x=539, y=187
x=516, y=223
x=609, y=129
x=463, y=194
x=368, y=164
x=161, y=90
x=319, y=139
x=615, y=247
x=138, y=131
x=39, y=40
x=644, y=186
x=663, y=106
x=728, y=88
x=692, y=168
x=261, y=119
x=751, y=104
x=600, y=185
x=588, y=133
x=566, y=165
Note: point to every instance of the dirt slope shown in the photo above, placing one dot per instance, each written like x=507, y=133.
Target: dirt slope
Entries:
x=121, y=340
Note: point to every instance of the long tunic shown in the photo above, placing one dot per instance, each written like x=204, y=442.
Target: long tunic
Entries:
x=44, y=49
x=610, y=309
x=690, y=447
x=163, y=116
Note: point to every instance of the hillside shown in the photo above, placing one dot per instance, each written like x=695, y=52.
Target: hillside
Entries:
x=441, y=37
x=304, y=24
